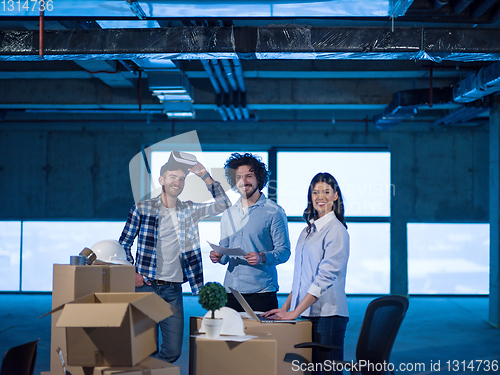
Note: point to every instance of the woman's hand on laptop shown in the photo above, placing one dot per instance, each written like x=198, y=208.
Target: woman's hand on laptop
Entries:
x=281, y=314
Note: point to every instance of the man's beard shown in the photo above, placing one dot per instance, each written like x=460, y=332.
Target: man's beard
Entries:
x=246, y=195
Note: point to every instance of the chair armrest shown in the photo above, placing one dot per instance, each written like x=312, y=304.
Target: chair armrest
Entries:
x=315, y=345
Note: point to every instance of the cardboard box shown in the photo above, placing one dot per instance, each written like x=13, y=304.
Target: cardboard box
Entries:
x=149, y=366
x=285, y=334
x=214, y=357
x=111, y=329
x=72, y=282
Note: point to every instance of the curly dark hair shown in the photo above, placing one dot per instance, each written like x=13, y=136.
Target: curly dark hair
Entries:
x=338, y=205
x=254, y=162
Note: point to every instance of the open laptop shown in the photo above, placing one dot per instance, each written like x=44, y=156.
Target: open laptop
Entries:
x=252, y=314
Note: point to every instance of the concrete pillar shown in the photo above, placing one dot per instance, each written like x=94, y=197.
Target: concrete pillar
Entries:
x=402, y=207
x=399, y=256
x=494, y=310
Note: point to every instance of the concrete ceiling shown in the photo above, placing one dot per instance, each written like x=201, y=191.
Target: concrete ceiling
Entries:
x=388, y=64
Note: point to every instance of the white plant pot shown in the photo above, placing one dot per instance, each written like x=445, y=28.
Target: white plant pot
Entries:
x=212, y=327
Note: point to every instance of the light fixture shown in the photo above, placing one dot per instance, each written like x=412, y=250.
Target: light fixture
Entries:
x=178, y=109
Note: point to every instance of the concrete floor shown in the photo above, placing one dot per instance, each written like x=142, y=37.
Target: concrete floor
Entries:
x=436, y=330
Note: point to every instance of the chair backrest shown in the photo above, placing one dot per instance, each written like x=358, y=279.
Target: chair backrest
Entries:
x=20, y=360
x=383, y=317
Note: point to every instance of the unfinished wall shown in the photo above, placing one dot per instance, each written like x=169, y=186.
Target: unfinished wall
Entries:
x=65, y=171
x=69, y=171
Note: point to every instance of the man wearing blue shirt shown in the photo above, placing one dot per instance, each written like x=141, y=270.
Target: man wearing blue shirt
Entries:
x=259, y=227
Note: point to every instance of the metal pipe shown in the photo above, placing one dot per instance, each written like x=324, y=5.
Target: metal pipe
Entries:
x=127, y=66
x=229, y=74
x=140, y=90
x=222, y=113
x=229, y=113
x=211, y=76
x=237, y=112
x=41, y=33
x=438, y=4
x=430, y=86
x=246, y=115
x=218, y=73
x=495, y=18
x=239, y=74
x=461, y=5
x=482, y=7
x=243, y=105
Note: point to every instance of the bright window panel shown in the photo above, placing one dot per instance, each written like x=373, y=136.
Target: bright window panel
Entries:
x=49, y=242
x=195, y=189
x=368, y=268
x=364, y=179
x=10, y=255
x=448, y=258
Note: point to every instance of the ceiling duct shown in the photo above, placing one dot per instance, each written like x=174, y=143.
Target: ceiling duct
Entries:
x=267, y=42
x=173, y=90
x=477, y=86
x=405, y=104
x=465, y=113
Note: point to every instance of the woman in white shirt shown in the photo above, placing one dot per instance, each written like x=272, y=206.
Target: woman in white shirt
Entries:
x=321, y=254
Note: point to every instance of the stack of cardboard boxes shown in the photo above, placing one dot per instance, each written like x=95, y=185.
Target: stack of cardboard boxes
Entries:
x=271, y=353
x=100, y=326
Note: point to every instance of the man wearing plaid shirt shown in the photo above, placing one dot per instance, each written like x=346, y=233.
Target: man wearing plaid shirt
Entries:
x=168, y=248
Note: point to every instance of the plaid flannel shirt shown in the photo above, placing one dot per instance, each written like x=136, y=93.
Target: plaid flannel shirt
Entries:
x=142, y=222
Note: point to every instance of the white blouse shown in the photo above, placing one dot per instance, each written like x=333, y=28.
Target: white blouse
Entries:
x=321, y=266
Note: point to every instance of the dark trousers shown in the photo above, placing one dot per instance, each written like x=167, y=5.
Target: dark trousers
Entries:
x=329, y=330
x=258, y=301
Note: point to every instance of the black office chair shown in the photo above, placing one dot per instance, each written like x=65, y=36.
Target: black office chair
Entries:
x=383, y=317
x=20, y=360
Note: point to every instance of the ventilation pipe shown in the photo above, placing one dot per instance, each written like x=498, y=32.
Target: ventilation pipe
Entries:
x=230, y=77
x=243, y=91
x=405, y=104
x=438, y=4
x=231, y=99
x=461, y=5
x=482, y=7
x=477, y=86
x=216, y=86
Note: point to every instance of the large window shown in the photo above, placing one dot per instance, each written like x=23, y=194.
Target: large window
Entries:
x=47, y=242
x=364, y=179
x=448, y=258
x=10, y=255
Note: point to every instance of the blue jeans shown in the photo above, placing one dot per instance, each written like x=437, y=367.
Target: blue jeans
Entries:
x=171, y=328
x=329, y=330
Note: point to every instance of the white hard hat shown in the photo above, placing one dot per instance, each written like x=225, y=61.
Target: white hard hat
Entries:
x=232, y=323
x=110, y=251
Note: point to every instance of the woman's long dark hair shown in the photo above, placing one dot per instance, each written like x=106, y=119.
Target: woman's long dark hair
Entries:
x=338, y=205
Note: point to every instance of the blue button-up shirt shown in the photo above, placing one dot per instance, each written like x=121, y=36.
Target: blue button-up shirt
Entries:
x=320, y=267
x=263, y=228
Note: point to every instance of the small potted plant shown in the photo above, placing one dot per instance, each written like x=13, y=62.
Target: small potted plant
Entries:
x=212, y=297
